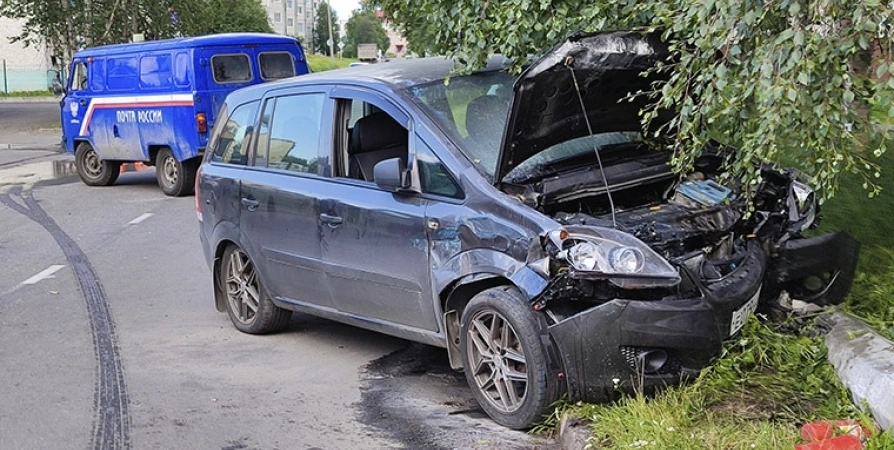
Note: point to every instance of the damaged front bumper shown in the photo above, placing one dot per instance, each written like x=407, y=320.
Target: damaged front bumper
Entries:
x=623, y=345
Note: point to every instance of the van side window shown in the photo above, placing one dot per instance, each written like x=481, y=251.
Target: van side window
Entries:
x=234, y=138
x=295, y=133
x=122, y=73
x=235, y=68
x=276, y=65
x=156, y=72
x=181, y=69
x=79, y=77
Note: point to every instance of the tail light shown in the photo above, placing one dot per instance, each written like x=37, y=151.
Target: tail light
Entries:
x=201, y=122
x=198, y=194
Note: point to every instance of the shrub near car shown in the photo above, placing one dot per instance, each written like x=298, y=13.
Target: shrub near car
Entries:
x=473, y=215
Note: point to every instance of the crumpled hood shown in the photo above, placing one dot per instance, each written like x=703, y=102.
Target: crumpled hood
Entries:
x=545, y=108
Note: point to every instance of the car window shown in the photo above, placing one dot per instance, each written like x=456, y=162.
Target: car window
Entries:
x=235, y=68
x=372, y=135
x=472, y=110
x=276, y=65
x=264, y=133
x=433, y=176
x=294, y=142
x=79, y=77
x=233, y=139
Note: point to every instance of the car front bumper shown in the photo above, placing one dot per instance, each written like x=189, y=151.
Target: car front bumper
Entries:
x=605, y=350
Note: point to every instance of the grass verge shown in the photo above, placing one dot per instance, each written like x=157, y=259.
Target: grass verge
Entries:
x=320, y=63
x=41, y=93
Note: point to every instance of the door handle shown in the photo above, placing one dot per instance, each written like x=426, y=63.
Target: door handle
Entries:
x=330, y=219
x=83, y=101
x=250, y=204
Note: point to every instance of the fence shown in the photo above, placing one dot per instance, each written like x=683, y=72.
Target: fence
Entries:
x=24, y=80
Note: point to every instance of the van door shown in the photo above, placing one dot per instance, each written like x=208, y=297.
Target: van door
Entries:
x=227, y=68
x=74, y=105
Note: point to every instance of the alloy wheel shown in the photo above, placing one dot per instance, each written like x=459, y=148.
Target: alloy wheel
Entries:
x=243, y=292
x=498, y=361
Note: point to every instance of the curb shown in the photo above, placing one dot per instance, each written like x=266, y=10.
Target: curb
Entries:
x=30, y=99
x=864, y=361
x=573, y=433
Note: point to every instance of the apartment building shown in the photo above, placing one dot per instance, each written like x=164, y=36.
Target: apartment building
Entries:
x=292, y=17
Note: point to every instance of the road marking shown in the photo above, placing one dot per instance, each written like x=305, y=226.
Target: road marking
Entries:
x=46, y=273
x=141, y=218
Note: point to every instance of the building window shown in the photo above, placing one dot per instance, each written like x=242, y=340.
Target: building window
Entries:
x=300, y=11
x=300, y=28
x=289, y=3
x=277, y=17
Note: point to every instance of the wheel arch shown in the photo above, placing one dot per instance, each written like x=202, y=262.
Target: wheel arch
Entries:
x=219, y=297
x=454, y=299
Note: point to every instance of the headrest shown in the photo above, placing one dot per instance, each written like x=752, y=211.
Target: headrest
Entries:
x=375, y=132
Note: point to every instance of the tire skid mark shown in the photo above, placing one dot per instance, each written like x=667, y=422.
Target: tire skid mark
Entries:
x=111, y=423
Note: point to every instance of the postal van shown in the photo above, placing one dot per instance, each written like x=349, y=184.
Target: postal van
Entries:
x=155, y=102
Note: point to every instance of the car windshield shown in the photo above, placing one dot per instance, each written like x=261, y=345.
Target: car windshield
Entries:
x=472, y=110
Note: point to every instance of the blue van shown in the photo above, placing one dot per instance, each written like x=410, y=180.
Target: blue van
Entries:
x=155, y=102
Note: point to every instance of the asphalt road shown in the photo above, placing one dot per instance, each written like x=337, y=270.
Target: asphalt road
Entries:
x=109, y=339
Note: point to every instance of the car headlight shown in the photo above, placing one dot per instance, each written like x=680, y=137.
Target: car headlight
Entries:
x=623, y=259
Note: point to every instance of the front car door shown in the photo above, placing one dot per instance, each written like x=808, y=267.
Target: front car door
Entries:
x=374, y=243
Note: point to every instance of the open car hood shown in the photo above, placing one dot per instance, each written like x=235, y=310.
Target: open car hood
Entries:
x=545, y=108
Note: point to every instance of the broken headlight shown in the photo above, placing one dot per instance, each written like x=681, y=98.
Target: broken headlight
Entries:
x=621, y=258
x=803, y=211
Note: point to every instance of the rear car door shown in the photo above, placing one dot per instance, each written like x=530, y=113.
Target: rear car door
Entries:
x=280, y=197
x=375, y=248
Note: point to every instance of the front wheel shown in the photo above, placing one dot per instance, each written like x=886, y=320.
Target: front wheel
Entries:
x=92, y=170
x=504, y=361
x=249, y=307
x=176, y=178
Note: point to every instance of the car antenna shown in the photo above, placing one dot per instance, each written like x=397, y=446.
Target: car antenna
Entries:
x=569, y=61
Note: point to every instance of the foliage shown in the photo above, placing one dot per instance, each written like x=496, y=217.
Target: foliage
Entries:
x=763, y=387
x=321, y=29
x=39, y=93
x=364, y=27
x=71, y=25
x=783, y=79
x=321, y=63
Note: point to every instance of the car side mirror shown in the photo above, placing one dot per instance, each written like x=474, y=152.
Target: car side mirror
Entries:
x=391, y=175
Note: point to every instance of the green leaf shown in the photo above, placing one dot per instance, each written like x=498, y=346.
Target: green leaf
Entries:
x=803, y=78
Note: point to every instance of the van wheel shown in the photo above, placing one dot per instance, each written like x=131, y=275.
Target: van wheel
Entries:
x=92, y=170
x=176, y=178
x=248, y=305
x=504, y=359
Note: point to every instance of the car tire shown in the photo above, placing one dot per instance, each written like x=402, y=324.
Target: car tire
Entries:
x=92, y=170
x=516, y=388
x=248, y=305
x=176, y=178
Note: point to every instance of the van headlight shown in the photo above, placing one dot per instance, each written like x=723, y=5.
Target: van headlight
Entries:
x=617, y=256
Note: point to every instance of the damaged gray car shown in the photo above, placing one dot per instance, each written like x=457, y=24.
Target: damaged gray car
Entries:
x=520, y=222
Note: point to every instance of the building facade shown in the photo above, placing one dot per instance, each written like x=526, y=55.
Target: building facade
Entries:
x=292, y=18
x=398, y=43
x=22, y=68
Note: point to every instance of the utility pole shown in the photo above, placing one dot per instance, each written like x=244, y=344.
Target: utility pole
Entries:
x=331, y=36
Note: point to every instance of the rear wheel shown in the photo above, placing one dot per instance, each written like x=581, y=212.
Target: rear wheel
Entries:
x=92, y=170
x=249, y=307
x=504, y=360
x=176, y=178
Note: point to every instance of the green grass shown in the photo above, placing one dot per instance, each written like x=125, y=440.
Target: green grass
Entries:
x=43, y=93
x=758, y=394
x=320, y=63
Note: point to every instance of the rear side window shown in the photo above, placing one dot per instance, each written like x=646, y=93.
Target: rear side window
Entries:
x=233, y=141
x=234, y=68
x=156, y=72
x=276, y=65
x=181, y=69
x=295, y=133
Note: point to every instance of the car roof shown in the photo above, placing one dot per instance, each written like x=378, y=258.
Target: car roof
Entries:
x=195, y=41
x=398, y=74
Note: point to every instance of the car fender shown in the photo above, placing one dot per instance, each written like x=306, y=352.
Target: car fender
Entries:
x=223, y=233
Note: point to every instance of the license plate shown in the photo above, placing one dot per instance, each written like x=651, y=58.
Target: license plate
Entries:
x=741, y=315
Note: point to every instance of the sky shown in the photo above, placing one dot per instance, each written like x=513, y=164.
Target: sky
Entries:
x=344, y=7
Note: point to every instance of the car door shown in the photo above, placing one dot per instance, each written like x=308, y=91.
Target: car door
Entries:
x=280, y=197
x=374, y=243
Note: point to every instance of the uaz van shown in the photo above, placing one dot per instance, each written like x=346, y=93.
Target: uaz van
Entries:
x=154, y=102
